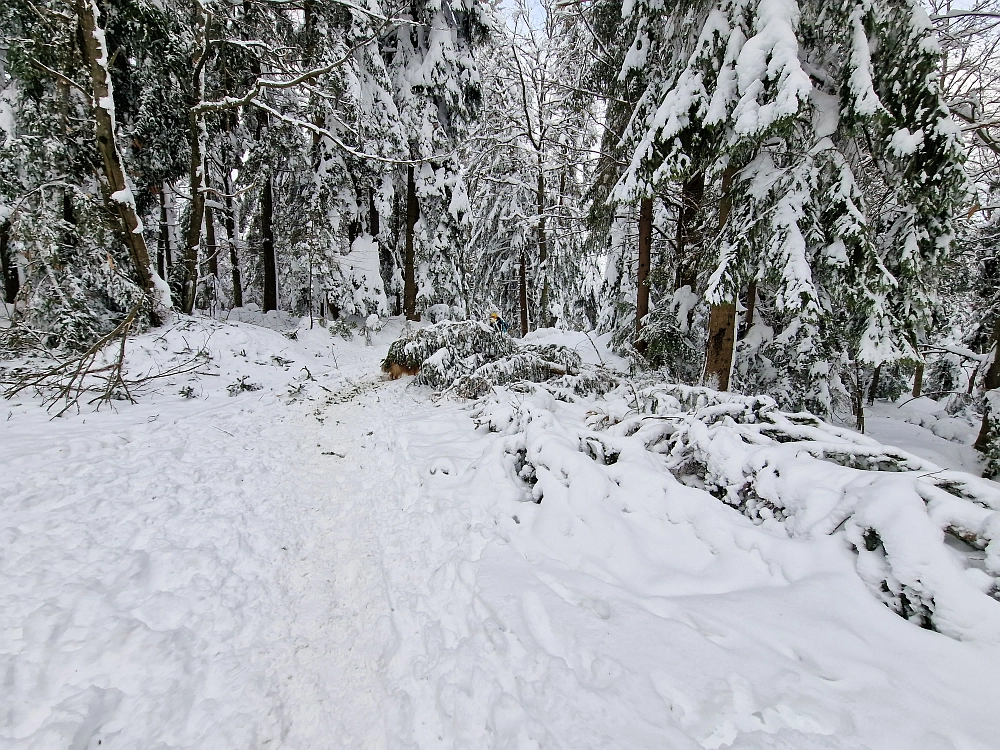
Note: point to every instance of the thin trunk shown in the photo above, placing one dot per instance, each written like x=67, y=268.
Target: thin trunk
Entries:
x=642, y=275
x=522, y=292
x=373, y=223
x=918, y=380
x=163, y=240
x=688, y=239
x=544, y=319
x=722, y=317
x=991, y=381
x=118, y=196
x=69, y=218
x=267, y=246
x=873, y=389
x=751, y=306
x=234, y=258
x=409, y=273
x=8, y=264
x=196, y=177
x=211, y=246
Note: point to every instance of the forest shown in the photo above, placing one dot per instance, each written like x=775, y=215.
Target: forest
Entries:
x=514, y=374
x=777, y=197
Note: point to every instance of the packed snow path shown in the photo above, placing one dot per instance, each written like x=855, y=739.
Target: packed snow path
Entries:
x=346, y=565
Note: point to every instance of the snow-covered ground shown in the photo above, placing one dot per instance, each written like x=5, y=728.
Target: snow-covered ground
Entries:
x=329, y=560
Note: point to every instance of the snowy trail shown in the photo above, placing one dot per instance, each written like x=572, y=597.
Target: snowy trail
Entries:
x=355, y=566
x=204, y=578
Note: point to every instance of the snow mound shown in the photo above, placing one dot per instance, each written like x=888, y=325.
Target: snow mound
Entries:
x=469, y=358
x=925, y=541
x=278, y=320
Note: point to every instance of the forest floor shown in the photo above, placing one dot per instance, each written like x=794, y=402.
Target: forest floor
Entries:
x=283, y=550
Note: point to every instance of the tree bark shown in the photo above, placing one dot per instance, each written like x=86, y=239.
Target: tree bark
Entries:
x=688, y=241
x=196, y=177
x=544, y=319
x=991, y=381
x=234, y=258
x=118, y=196
x=750, y=307
x=918, y=380
x=409, y=272
x=267, y=246
x=722, y=317
x=8, y=264
x=163, y=241
x=642, y=274
x=522, y=292
x=211, y=245
x=873, y=389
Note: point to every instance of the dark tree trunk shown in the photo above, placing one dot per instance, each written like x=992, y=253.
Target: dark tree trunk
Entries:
x=8, y=264
x=544, y=319
x=234, y=258
x=722, y=317
x=163, y=241
x=373, y=223
x=642, y=274
x=267, y=246
x=991, y=381
x=69, y=219
x=751, y=306
x=688, y=239
x=196, y=176
x=211, y=245
x=873, y=389
x=918, y=380
x=409, y=272
x=117, y=199
x=522, y=292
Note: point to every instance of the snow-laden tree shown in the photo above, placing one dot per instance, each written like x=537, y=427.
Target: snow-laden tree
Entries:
x=822, y=131
x=437, y=88
x=534, y=160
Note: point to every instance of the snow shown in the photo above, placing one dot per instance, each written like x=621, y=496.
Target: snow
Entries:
x=335, y=560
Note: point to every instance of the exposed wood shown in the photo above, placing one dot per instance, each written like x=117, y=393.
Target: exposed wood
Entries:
x=267, y=246
x=722, y=317
x=118, y=195
x=409, y=271
x=642, y=274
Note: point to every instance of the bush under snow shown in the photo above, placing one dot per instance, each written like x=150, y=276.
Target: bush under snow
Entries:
x=925, y=541
x=469, y=358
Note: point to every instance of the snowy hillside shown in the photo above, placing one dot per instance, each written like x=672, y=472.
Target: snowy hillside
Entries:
x=281, y=549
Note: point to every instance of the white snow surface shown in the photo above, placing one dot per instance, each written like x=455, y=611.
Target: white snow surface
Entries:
x=329, y=560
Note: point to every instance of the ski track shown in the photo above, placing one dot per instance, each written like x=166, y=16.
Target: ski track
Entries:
x=345, y=573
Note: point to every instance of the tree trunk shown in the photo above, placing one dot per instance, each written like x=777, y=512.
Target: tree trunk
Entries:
x=722, y=317
x=873, y=389
x=8, y=264
x=750, y=307
x=409, y=272
x=642, y=274
x=267, y=246
x=196, y=177
x=234, y=258
x=211, y=246
x=163, y=241
x=118, y=198
x=544, y=319
x=918, y=380
x=522, y=292
x=991, y=381
x=688, y=240
x=373, y=223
